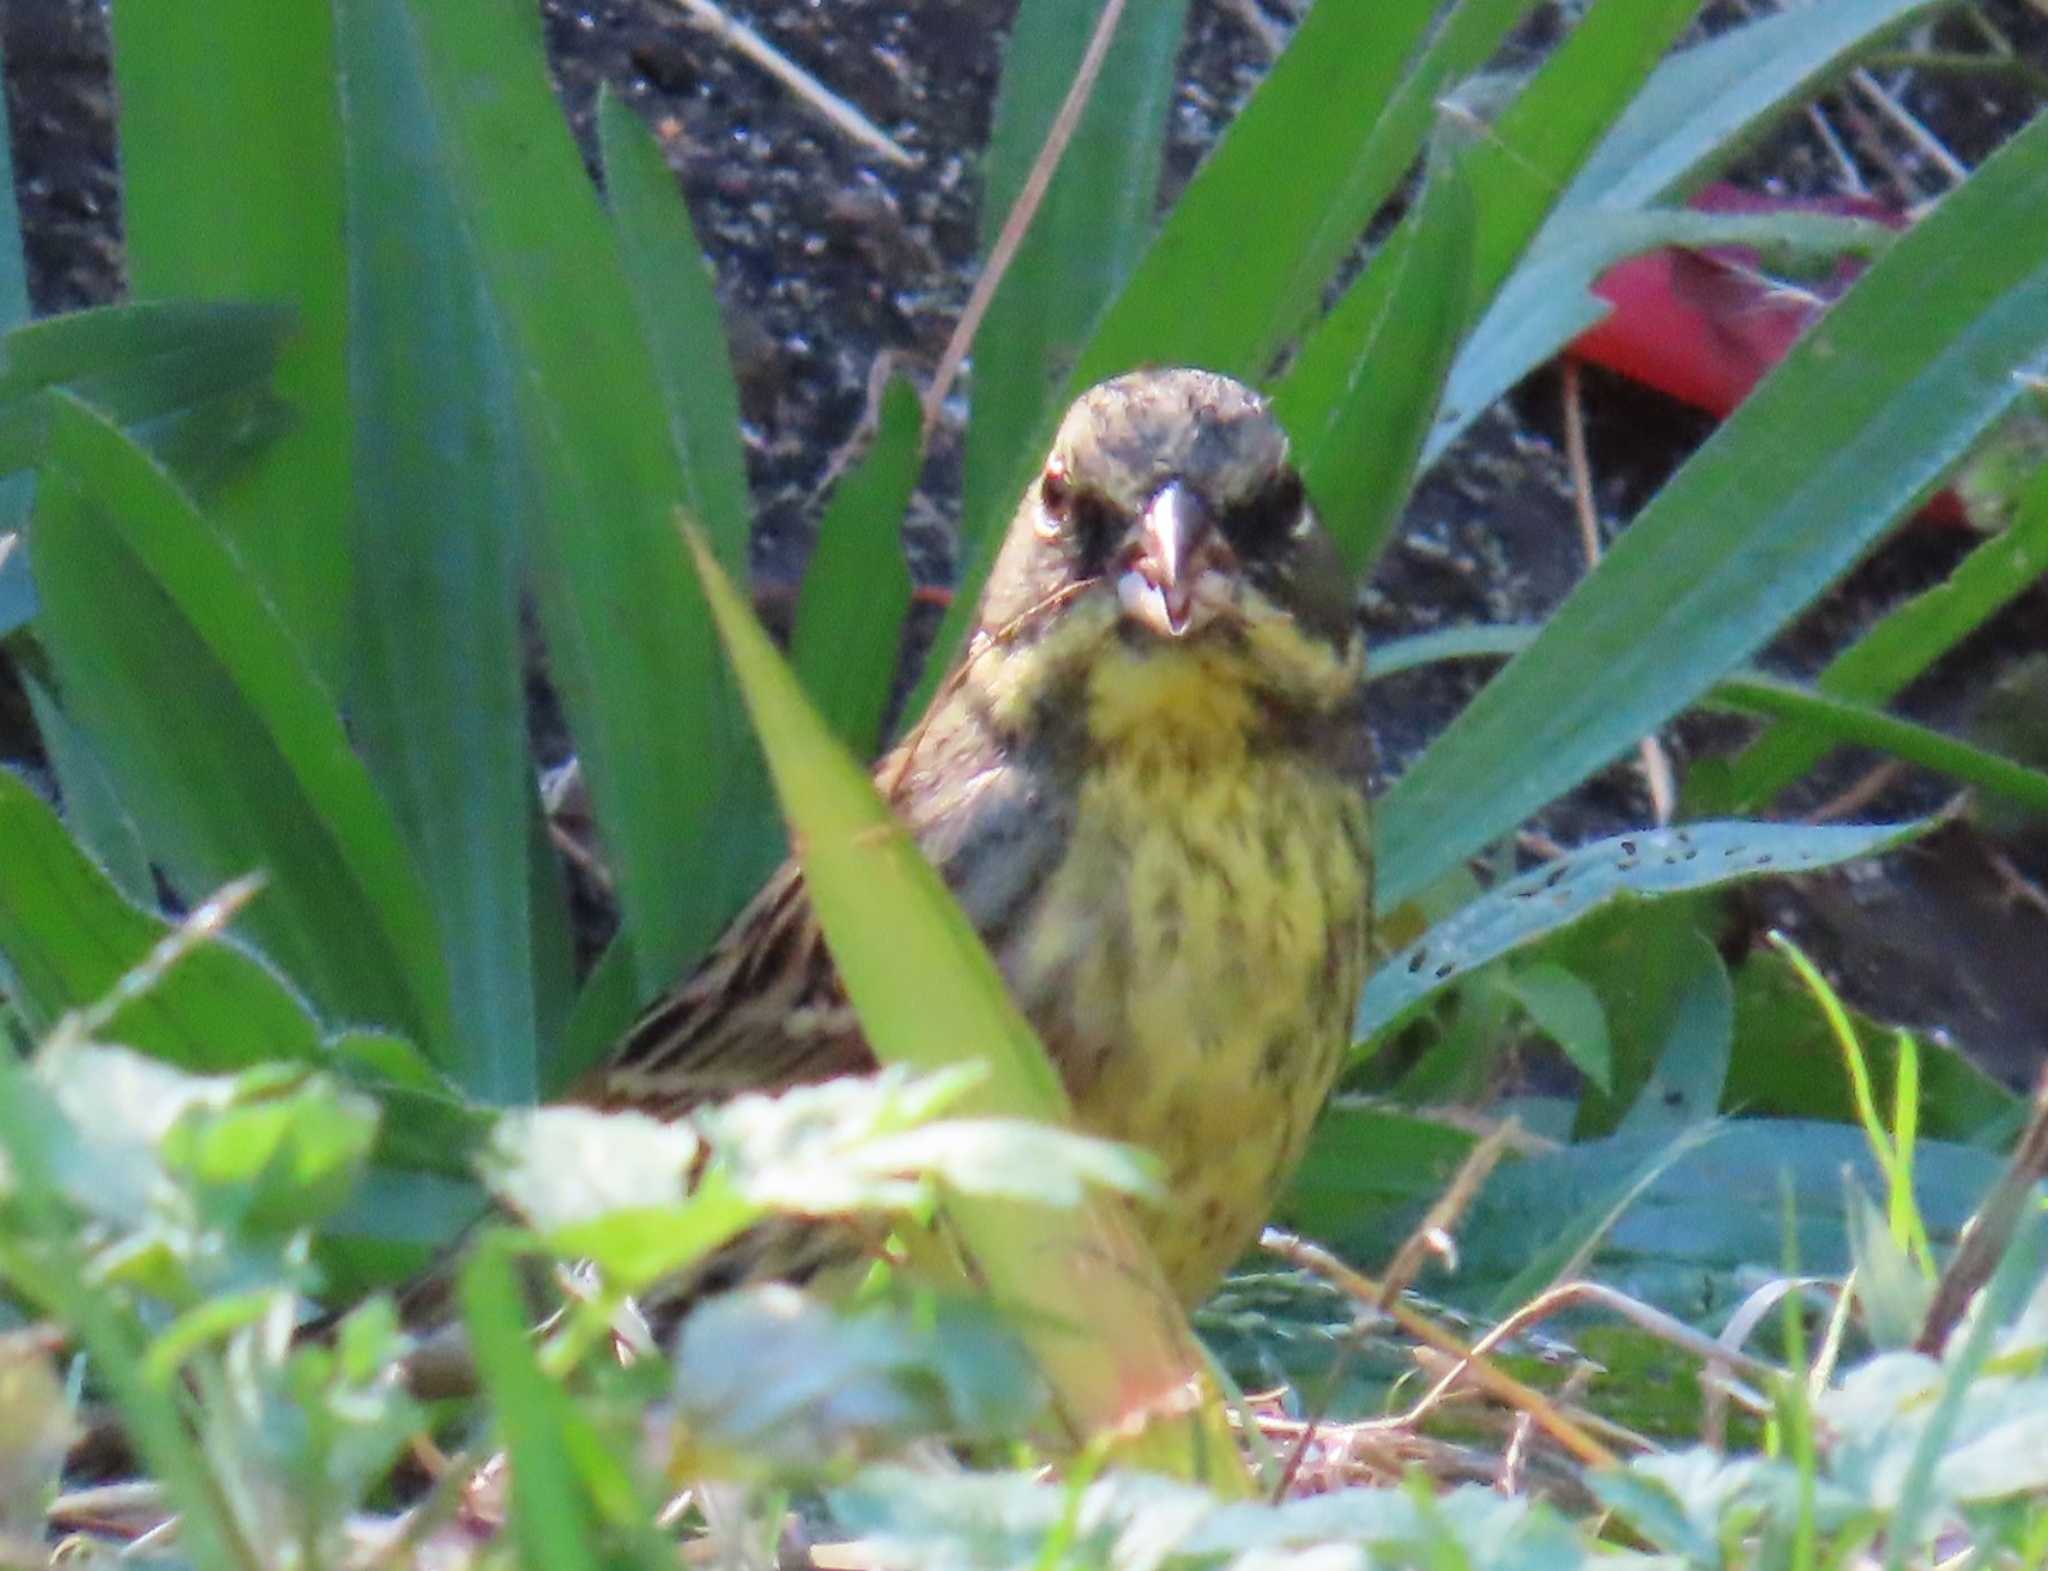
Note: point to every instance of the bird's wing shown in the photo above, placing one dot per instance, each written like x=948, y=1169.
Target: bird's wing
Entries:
x=766, y=1010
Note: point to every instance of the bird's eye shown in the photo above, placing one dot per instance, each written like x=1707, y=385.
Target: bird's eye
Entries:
x=1271, y=515
x=1055, y=492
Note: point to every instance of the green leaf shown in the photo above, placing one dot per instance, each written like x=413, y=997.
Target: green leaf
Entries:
x=1567, y=1011
x=92, y=812
x=1704, y=107
x=281, y=1156
x=1751, y=693
x=1363, y=393
x=1343, y=112
x=1855, y=427
x=1653, y=862
x=856, y=589
x=676, y=295
x=1548, y=300
x=220, y=739
x=552, y=1519
x=181, y=375
x=1788, y=1065
x=1899, y=647
x=1693, y=1041
x=1089, y=231
x=231, y=166
x=1550, y=130
x=438, y=703
x=772, y=1382
x=656, y=727
x=69, y=937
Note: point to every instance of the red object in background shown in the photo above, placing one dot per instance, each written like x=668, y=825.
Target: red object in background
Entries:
x=1704, y=326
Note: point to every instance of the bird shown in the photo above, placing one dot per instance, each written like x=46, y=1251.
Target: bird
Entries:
x=1144, y=782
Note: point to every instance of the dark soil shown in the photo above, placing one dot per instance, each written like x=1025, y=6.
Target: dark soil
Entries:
x=828, y=257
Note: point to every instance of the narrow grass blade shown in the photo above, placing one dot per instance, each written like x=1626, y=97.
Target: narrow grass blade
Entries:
x=1344, y=112
x=1902, y=645
x=1837, y=720
x=629, y=642
x=1855, y=427
x=1091, y=228
x=240, y=763
x=1705, y=107
x=676, y=297
x=1364, y=393
x=552, y=1520
x=69, y=937
x=232, y=190
x=1521, y=164
x=856, y=589
x=438, y=701
x=171, y=371
x=929, y=996
x=92, y=811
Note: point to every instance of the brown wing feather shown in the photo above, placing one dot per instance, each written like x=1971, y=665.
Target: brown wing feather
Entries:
x=765, y=1011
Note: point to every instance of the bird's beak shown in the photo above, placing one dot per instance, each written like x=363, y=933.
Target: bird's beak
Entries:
x=1157, y=588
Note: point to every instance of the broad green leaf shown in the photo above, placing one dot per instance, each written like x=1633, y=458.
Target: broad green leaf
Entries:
x=1363, y=394
x=1856, y=426
x=231, y=166
x=676, y=296
x=1706, y=1222
x=776, y=1384
x=929, y=996
x=239, y=763
x=856, y=588
x=1365, y=1161
x=1089, y=230
x=438, y=702
x=628, y=639
x=69, y=937
x=1634, y=866
x=15, y=493
x=602, y=1014
x=1899, y=647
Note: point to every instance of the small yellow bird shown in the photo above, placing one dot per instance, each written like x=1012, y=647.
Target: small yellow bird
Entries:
x=1145, y=784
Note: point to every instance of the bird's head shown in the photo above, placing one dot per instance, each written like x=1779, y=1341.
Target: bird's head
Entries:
x=1169, y=525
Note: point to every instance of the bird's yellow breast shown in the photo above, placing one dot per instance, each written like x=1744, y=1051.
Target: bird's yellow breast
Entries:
x=1195, y=957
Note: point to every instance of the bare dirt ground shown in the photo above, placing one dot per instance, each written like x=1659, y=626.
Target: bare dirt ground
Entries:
x=827, y=257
